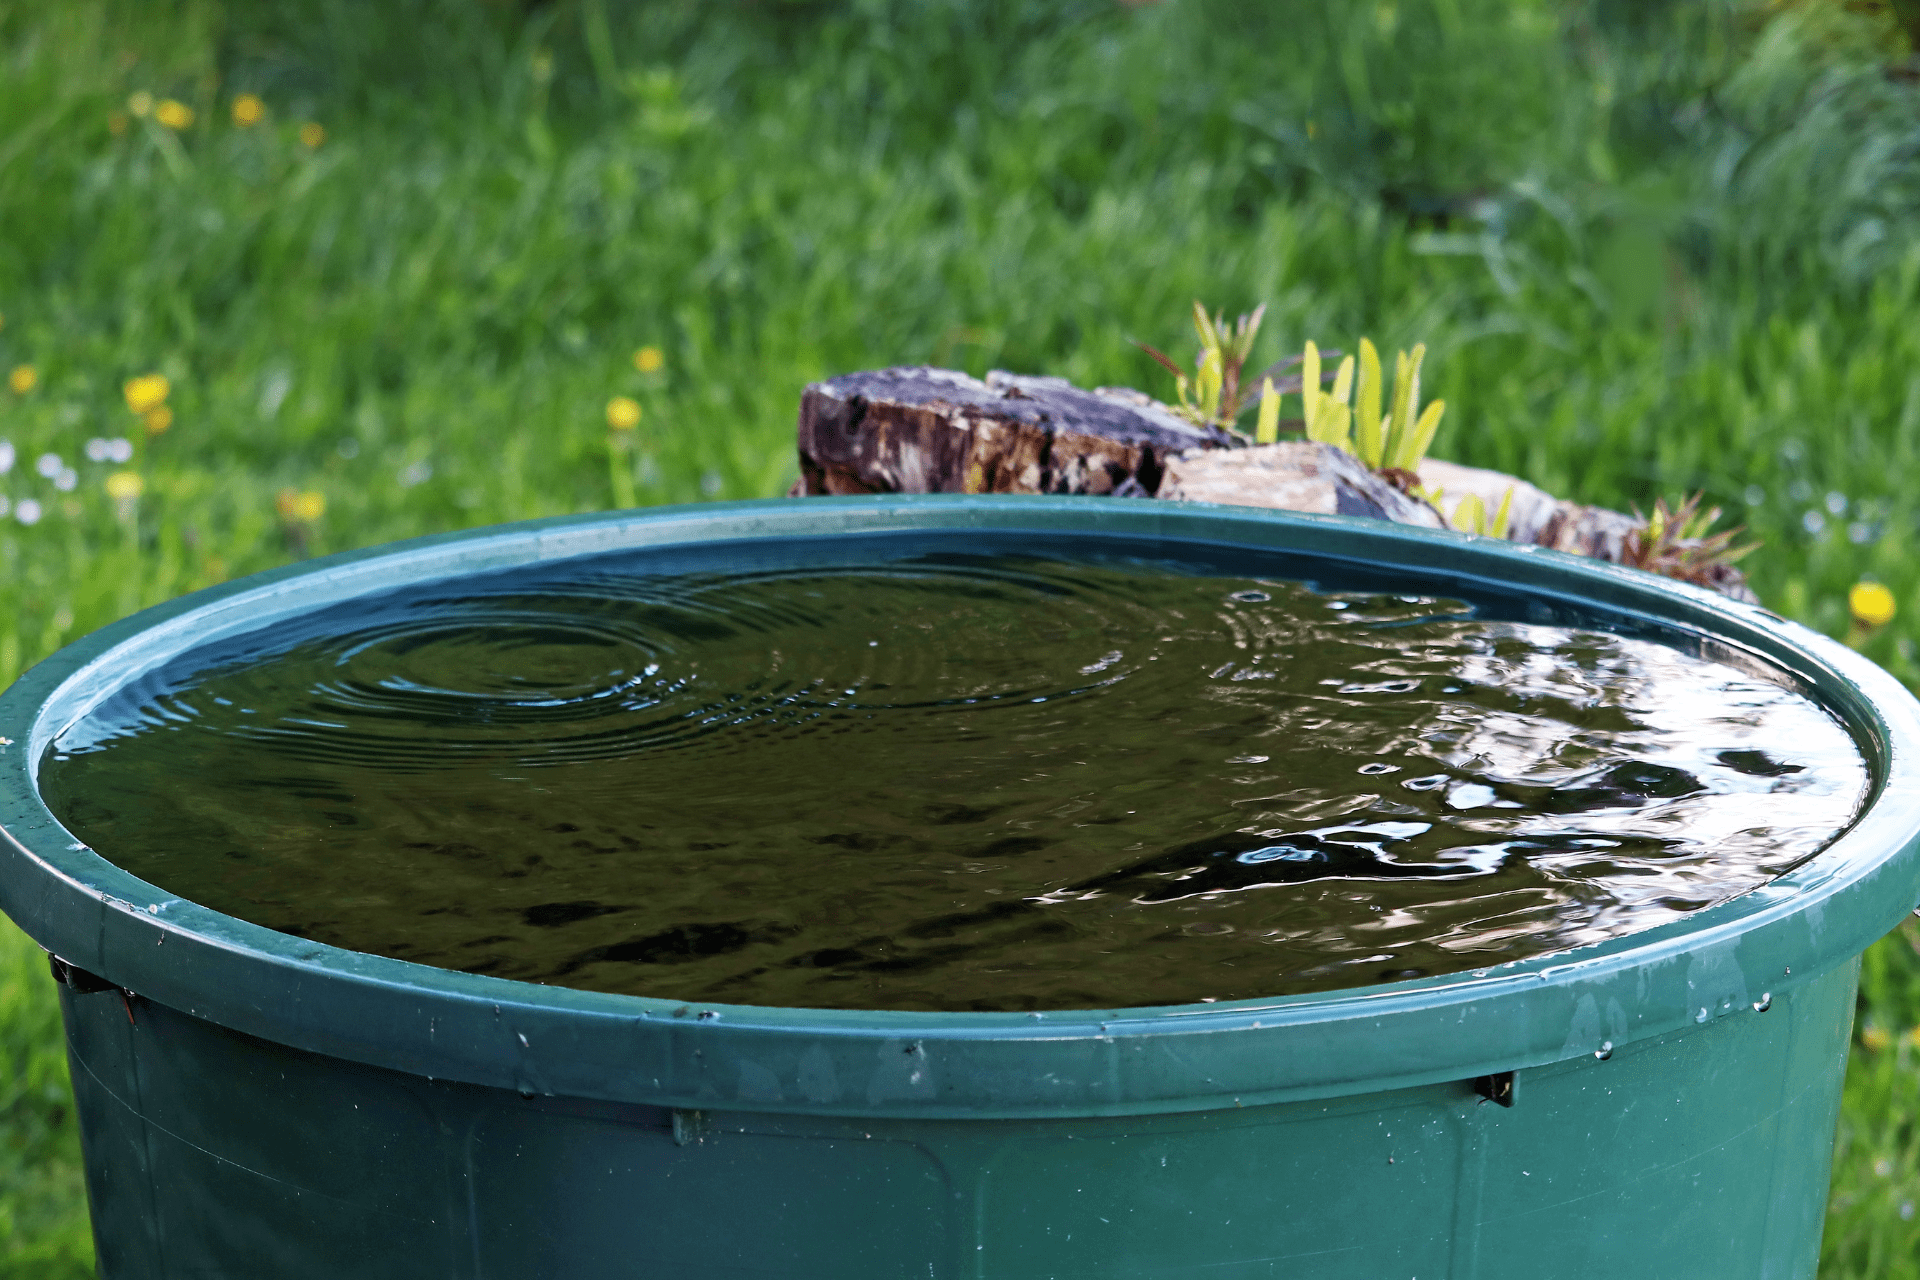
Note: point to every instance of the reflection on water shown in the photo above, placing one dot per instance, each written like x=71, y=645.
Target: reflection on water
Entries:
x=949, y=782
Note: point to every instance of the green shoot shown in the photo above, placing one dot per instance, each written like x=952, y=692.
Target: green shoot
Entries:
x=1310, y=386
x=1471, y=515
x=1329, y=420
x=1212, y=397
x=1267, y=429
x=1387, y=434
x=1675, y=542
x=1372, y=444
x=1396, y=442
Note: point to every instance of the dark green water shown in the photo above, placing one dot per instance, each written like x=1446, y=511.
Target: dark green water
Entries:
x=949, y=781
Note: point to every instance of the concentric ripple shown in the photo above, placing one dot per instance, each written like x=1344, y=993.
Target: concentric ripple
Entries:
x=952, y=780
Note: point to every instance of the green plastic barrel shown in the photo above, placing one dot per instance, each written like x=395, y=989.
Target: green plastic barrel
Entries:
x=1661, y=1105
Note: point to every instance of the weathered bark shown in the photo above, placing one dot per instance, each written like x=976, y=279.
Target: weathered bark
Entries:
x=1588, y=531
x=923, y=430
x=1295, y=475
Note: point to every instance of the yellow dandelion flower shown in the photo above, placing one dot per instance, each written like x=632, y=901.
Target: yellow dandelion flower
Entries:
x=648, y=359
x=141, y=104
x=148, y=391
x=1871, y=604
x=1875, y=1038
x=117, y=123
x=248, y=110
x=623, y=413
x=23, y=379
x=312, y=135
x=296, y=507
x=158, y=419
x=174, y=115
x=125, y=486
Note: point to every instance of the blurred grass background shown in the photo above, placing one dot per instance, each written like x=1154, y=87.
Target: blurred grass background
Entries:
x=1653, y=245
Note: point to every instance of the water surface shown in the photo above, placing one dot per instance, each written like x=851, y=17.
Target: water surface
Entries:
x=956, y=780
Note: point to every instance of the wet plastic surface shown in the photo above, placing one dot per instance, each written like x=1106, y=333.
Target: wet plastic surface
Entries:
x=1699, y=1154
x=268, y=1107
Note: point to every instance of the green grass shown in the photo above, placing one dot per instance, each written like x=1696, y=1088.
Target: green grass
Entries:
x=1652, y=248
x=1873, y=1219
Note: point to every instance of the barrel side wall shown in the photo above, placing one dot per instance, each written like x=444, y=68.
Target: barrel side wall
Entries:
x=1703, y=1153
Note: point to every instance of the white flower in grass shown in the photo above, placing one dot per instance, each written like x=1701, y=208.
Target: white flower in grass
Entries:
x=27, y=511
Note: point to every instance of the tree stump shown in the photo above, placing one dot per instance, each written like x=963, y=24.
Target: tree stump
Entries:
x=925, y=430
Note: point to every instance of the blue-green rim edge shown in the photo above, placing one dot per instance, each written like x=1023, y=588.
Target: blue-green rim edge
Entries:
x=1719, y=962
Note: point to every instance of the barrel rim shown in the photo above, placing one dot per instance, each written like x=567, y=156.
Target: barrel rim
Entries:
x=1724, y=960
